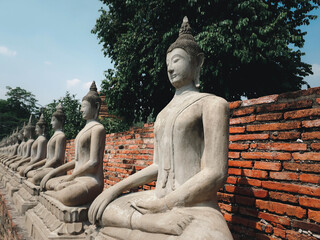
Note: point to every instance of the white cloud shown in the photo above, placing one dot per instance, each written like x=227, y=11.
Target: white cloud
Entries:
x=316, y=70
x=7, y=52
x=86, y=85
x=47, y=63
x=73, y=83
x=314, y=79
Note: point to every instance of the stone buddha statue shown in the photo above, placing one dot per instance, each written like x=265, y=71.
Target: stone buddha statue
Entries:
x=55, y=150
x=28, y=133
x=38, y=149
x=21, y=142
x=86, y=181
x=190, y=163
x=10, y=148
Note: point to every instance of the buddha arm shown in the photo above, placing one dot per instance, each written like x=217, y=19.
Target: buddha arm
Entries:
x=60, y=148
x=38, y=164
x=63, y=169
x=214, y=163
x=40, y=148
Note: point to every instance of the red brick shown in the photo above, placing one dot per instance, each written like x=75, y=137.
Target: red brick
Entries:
x=225, y=197
x=310, y=124
x=304, y=167
x=266, y=155
x=273, y=126
x=284, y=197
x=288, y=187
x=228, y=208
x=248, y=211
x=268, y=166
x=241, y=163
x=274, y=218
x=260, y=100
x=254, y=173
x=237, y=130
x=314, y=215
x=281, y=208
x=315, y=146
x=310, y=135
x=293, y=235
x=315, y=228
x=309, y=178
x=253, y=145
x=244, y=137
x=318, y=100
x=235, y=104
x=234, y=155
x=227, y=216
x=242, y=120
x=309, y=156
x=259, y=193
x=231, y=180
x=279, y=232
x=302, y=113
x=269, y=116
x=243, y=111
x=283, y=106
x=234, y=171
x=285, y=135
x=238, y=146
x=284, y=175
x=283, y=146
x=245, y=200
x=309, y=202
x=249, y=181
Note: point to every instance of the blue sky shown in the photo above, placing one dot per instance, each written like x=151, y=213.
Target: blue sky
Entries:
x=46, y=47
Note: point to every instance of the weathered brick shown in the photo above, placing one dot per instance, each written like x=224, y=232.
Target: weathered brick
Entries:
x=279, y=232
x=242, y=120
x=244, y=137
x=310, y=124
x=268, y=166
x=318, y=100
x=304, y=167
x=235, y=104
x=273, y=126
x=309, y=178
x=228, y=208
x=238, y=146
x=315, y=228
x=234, y=171
x=310, y=135
x=284, y=197
x=231, y=180
x=282, y=146
x=243, y=111
x=315, y=146
x=248, y=201
x=248, y=211
x=293, y=235
x=241, y=163
x=249, y=181
x=281, y=208
x=288, y=187
x=225, y=197
x=266, y=155
x=254, y=173
x=309, y=202
x=302, y=113
x=269, y=117
x=274, y=218
x=234, y=155
x=258, y=193
x=309, y=156
x=285, y=135
x=237, y=130
x=283, y=175
x=283, y=106
x=260, y=100
x=314, y=215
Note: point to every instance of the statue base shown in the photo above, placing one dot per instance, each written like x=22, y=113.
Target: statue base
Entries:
x=26, y=197
x=50, y=219
x=13, y=183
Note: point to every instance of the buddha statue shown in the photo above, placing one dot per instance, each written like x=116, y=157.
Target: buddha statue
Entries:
x=86, y=181
x=28, y=133
x=38, y=148
x=190, y=163
x=21, y=140
x=55, y=150
x=10, y=149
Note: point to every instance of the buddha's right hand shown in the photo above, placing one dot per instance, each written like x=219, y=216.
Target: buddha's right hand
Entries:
x=99, y=205
x=45, y=180
x=26, y=170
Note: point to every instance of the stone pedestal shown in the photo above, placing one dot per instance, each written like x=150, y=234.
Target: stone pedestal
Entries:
x=50, y=219
x=13, y=183
x=26, y=197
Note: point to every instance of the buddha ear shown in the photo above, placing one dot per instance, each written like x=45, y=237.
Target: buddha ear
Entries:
x=200, y=58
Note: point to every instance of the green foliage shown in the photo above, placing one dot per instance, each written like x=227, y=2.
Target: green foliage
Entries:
x=74, y=122
x=246, y=44
x=113, y=125
x=16, y=109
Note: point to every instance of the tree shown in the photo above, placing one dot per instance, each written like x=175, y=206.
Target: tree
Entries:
x=248, y=47
x=16, y=109
x=71, y=107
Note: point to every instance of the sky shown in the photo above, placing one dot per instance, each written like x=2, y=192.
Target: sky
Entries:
x=47, y=48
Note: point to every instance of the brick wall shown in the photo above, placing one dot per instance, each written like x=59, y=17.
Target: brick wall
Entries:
x=272, y=191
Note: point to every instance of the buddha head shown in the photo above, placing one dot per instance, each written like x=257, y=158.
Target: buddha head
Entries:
x=20, y=133
x=184, y=58
x=90, y=104
x=29, y=129
x=58, y=118
x=40, y=126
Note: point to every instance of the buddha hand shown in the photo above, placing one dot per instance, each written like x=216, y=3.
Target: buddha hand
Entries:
x=150, y=206
x=26, y=170
x=45, y=180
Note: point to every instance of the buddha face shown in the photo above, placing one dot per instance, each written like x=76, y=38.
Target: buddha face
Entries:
x=55, y=123
x=181, y=69
x=27, y=132
x=39, y=130
x=87, y=110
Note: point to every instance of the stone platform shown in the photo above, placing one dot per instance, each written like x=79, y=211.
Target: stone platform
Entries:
x=50, y=219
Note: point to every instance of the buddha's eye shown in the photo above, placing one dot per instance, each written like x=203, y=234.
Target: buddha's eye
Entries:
x=176, y=60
